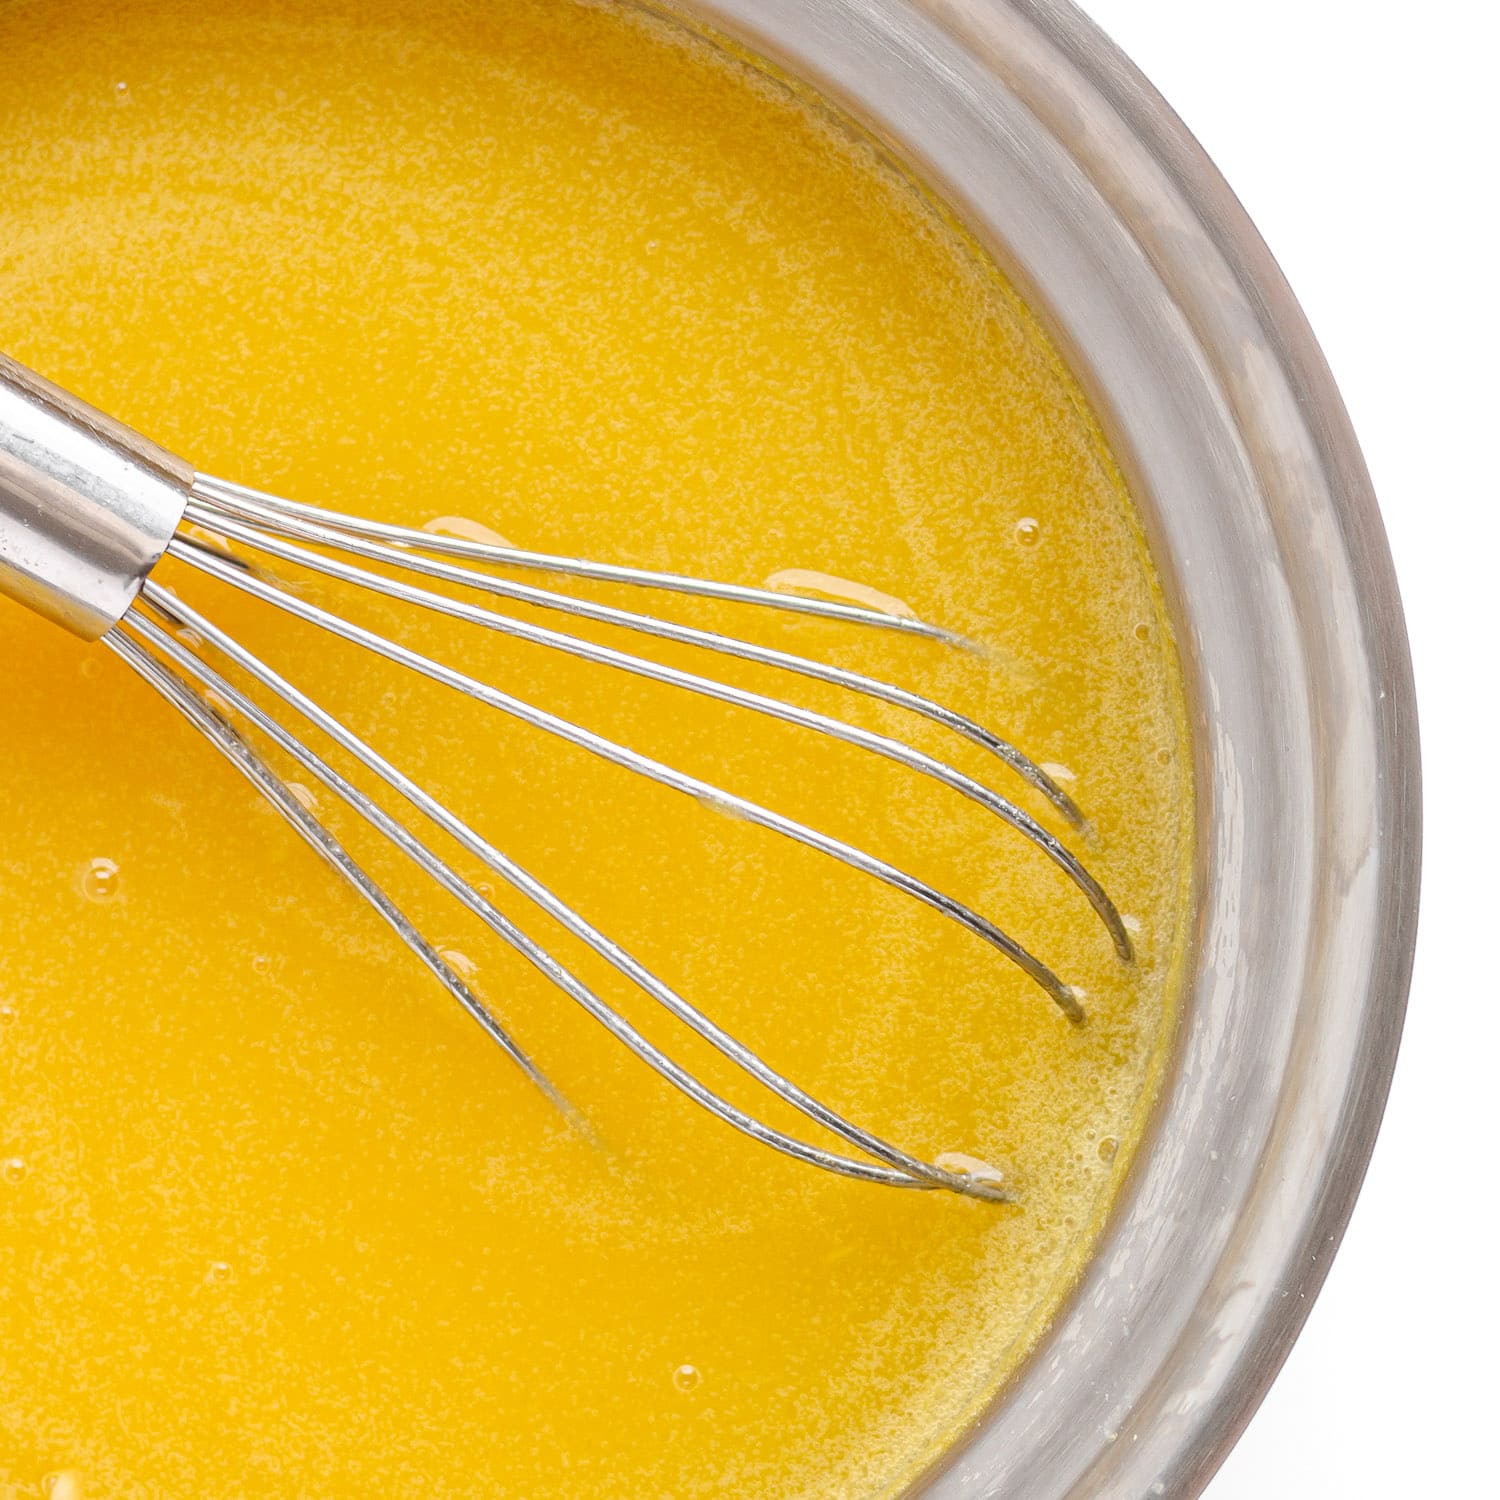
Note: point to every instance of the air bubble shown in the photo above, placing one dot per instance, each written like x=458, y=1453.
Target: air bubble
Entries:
x=7, y=1014
x=220, y=1273
x=1164, y=757
x=1028, y=531
x=13, y=1170
x=1143, y=631
x=101, y=879
x=687, y=1378
x=1108, y=1148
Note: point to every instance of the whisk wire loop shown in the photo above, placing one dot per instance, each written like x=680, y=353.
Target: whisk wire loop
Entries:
x=89, y=508
x=902, y=1169
x=644, y=765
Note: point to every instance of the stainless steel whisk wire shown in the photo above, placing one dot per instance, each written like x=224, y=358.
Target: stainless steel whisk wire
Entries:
x=87, y=509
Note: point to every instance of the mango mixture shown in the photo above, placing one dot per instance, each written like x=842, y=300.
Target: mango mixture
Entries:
x=275, y=1218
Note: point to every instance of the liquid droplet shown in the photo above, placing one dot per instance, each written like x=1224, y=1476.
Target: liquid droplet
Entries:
x=964, y=1165
x=687, y=1378
x=101, y=879
x=465, y=530
x=13, y=1170
x=1108, y=1148
x=460, y=963
x=1028, y=531
x=304, y=795
x=213, y=540
x=220, y=1273
x=220, y=704
x=845, y=590
x=722, y=808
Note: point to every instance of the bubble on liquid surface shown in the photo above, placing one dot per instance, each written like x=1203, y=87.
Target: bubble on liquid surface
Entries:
x=7, y=1013
x=13, y=1170
x=1028, y=531
x=1108, y=1148
x=101, y=879
x=687, y=1378
x=219, y=1273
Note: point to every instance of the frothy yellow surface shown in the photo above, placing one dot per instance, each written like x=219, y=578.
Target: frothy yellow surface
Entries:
x=275, y=1218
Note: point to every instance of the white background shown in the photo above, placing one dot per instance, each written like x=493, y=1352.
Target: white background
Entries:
x=1362, y=136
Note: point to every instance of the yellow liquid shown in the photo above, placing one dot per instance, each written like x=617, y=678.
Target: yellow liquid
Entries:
x=275, y=1218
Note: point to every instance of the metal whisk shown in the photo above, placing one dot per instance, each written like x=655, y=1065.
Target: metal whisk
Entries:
x=88, y=508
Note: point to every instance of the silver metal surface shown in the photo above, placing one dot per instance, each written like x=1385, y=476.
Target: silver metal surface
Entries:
x=285, y=531
x=76, y=450
x=86, y=505
x=1064, y=163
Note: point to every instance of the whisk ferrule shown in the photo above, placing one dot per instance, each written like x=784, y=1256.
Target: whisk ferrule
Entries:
x=87, y=506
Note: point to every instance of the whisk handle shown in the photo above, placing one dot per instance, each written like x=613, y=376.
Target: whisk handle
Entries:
x=87, y=506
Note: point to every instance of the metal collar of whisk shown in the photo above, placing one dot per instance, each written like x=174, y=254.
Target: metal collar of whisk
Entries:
x=87, y=505
x=88, y=508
